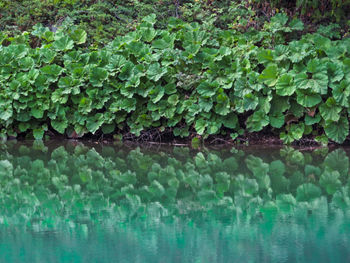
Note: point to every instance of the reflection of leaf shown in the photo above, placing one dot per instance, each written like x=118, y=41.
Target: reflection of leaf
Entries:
x=207, y=196
x=330, y=182
x=285, y=202
x=277, y=167
x=308, y=192
x=338, y=161
x=341, y=198
x=245, y=186
x=257, y=166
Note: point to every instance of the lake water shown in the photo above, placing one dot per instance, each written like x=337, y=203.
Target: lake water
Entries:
x=72, y=202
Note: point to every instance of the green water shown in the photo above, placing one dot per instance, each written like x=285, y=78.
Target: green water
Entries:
x=72, y=202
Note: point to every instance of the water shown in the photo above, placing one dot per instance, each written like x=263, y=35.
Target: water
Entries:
x=95, y=203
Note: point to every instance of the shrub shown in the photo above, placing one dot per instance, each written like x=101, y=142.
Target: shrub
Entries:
x=185, y=78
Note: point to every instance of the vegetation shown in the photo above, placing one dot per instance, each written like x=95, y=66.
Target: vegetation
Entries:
x=104, y=19
x=188, y=77
x=42, y=188
x=227, y=68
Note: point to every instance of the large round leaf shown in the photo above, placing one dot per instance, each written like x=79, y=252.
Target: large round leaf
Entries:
x=337, y=130
x=63, y=44
x=285, y=85
x=308, y=99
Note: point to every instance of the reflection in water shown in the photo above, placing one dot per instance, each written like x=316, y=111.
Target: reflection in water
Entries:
x=81, y=204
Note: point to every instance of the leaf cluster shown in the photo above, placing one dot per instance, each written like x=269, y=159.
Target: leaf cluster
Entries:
x=185, y=78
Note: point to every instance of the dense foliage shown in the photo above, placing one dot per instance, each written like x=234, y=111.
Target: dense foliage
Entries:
x=104, y=19
x=44, y=188
x=189, y=77
x=315, y=10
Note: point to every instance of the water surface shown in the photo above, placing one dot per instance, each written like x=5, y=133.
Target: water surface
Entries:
x=80, y=203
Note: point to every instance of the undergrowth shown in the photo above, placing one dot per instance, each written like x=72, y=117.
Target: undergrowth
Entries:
x=187, y=78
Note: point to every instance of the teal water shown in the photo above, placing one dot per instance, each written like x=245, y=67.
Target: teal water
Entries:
x=72, y=202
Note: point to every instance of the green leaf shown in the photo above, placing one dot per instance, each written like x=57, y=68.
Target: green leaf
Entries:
x=297, y=130
x=93, y=123
x=37, y=112
x=257, y=121
x=59, y=125
x=38, y=134
x=79, y=36
x=173, y=99
x=23, y=126
x=265, y=56
x=341, y=93
x=230, y=121
x=148, y=34
x=318, y=79
x=127, y=104
x=335, y=71
x=276, y=120
x=286, y=137
x=322, y=139
x=47, y=55
x=312, y=120
x=6, y=111
x=296, y=24
x=250, y=102
x=222, y=106
x=337, y=130
x=329, y=110
x=108, y=128
x=151, y=19
x=52, y=71
x=308, y=99
x=26, y=63
x=200, y=126
x=206, y=90
x=285, y=85
x=63, y=44
x=98, y=76
x=59, y=96
x=157, y=93
x=269, y=75
x=67, y=82
x=155, y=71
x=213, y=127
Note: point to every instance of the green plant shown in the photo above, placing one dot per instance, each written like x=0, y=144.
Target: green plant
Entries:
x=186, y=78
